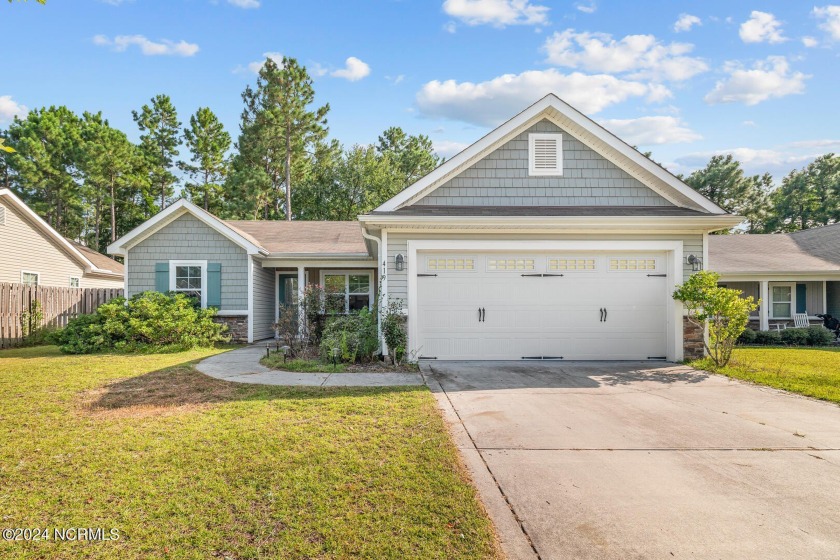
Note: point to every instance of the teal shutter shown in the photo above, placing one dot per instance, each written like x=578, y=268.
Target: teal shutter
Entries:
x=162, y=277
x=801, y=298
x=214, y=285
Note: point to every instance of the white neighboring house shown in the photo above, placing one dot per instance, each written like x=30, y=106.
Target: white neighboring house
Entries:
x=549, y=238
x=32, y=252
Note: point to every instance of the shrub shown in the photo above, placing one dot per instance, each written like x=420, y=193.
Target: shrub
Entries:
x=747, y=337
x=393, y=330
x=768, y=338
x=149, y=320
x=794, y=337
x=723, y=311
x=354, y=335
x=820, y=336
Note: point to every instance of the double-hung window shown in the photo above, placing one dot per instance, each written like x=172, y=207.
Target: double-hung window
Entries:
x=190, y=279
x=347, y=291
x=781, y=301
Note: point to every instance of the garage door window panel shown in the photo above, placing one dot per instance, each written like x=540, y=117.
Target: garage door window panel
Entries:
x=450, y=264
x=510, y=264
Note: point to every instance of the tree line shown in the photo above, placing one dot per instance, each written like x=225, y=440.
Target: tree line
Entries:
x=92, y=184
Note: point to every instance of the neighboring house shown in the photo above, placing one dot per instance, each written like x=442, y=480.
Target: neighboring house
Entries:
x=548, y=238
x=793, y=272
x=32, y=252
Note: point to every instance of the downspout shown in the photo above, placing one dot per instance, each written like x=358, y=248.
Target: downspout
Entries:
x=383, y=296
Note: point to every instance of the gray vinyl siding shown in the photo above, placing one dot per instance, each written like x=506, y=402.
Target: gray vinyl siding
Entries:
x=187, y=238
x=24, y=247
x=501, y=179
x=748, y=289
x=398, y=243
x=264, y=304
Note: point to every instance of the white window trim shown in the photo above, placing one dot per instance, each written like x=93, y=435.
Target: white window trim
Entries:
x=37, y=274
x=347, y=274
x=532, y=138
x=202, y=264
x=792, y=286
x=79, y=278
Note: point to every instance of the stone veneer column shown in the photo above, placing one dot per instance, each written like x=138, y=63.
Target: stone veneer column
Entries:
x=237, y=326
x=692, y=341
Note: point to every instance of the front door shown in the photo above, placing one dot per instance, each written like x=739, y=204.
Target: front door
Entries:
x=287, y=291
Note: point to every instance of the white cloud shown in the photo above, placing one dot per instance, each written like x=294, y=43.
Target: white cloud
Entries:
x=685, y=22
x=448, y=148
x=246, y=4
x=767, y=79
x=762, y=27
x=450, y=27
x=810, y=42
x=831, y=17
x=498, y=13
x=642, y=56
x=257, y=65
x=395, y=79
x=646, y=131
x=494, y=101
x=589, y=8
x=354, y=70
x=9, y=109
x=749, y=123
x=164, y=47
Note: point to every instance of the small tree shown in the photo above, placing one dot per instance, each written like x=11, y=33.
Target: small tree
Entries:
x=721, y=311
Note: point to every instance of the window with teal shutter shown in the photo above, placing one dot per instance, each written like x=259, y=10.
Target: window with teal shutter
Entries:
x=214, y=285
x=162, y=277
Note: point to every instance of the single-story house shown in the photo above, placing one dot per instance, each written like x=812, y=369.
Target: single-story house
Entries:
x=793, y=272
x=549, y=238
x=34, y=253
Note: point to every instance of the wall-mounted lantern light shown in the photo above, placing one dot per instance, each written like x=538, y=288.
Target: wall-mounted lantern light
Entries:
x=695, y=262
x=399, y=262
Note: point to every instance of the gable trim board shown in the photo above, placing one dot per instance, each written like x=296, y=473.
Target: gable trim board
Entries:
x=583, y=129
x=87, y=265
x=172, y=213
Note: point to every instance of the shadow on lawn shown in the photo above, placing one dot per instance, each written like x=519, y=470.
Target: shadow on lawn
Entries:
x=182, y=388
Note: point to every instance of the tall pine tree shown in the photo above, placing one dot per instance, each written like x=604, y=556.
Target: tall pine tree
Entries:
x=208, y=144
x=159, y=142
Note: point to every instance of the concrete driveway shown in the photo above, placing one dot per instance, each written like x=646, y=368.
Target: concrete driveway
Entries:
x=639, y=460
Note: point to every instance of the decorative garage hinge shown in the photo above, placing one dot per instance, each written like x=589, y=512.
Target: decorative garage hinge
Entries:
x=542, y=275
x=658, y=275
x=426, y=275
x=542, y=357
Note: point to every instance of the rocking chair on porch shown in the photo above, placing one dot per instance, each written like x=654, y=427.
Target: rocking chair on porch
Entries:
x=800, y=321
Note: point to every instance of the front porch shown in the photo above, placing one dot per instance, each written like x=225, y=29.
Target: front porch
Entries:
x=782, y=297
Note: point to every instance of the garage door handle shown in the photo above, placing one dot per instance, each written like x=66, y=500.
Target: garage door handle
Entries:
x=479, y=314
x=483, y=315
x=605, y=314
x=601, y=320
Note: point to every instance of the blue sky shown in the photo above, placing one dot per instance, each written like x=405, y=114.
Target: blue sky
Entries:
x=684, y=79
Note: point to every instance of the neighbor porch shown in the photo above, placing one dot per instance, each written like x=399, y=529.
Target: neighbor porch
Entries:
x=782, y=297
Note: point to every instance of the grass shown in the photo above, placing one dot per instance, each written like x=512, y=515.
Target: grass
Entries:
x=186, y=466
x=814, y=372
x=315, y=365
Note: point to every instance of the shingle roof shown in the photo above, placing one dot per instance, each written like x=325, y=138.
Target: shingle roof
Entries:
x=813, y=250
x=301, y=237
x=99, y=260
x=429, y=210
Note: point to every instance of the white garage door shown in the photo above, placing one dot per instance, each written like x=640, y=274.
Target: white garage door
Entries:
x=490, y=306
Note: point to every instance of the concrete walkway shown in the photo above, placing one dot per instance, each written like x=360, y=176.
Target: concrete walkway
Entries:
x=243, y=366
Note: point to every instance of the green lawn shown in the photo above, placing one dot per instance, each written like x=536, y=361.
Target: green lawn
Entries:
x=814, y=372
x=186, y=466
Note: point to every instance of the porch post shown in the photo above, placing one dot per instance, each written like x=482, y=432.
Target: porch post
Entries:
x=764, y=310
x=301, y=287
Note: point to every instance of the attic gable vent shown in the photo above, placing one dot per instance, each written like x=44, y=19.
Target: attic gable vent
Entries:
x=545, y=154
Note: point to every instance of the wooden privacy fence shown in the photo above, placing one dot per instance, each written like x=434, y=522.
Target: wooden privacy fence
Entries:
x=58, y=306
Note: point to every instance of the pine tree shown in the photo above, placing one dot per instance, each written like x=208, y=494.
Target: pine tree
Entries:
x=159, y=142
x=208, y=144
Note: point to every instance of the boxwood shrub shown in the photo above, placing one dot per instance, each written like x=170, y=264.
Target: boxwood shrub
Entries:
x=149, y=321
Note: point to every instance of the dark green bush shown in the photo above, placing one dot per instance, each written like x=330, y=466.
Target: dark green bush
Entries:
x=147, y=321
x=818, y=335
x=794, y=337
x=747, y=337
x=354, y=335
x=768, y=338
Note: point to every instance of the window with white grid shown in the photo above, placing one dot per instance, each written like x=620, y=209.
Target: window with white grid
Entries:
x=632, y=264
x=436, y=264
x=569, y=264
x=510, y=264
